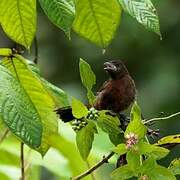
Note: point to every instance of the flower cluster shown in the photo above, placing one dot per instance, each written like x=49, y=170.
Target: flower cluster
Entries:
x=77, y=124
x=131, y=139
x=92, y=114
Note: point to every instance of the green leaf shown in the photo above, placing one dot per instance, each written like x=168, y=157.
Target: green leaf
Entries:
x=154, y=171
x=7, y=158
x=175, y=167
x=135, y=112
x=134, y=161
x=152, y=150
x=88, y=78
x=79, y=110
x=161, y=173
x=18, y=20
x=144, y=12
x=28, y=107
x=4, y=176
x=59, y=96
x=14, y=106
x=148, y=166
x=70, y=152
x=108, y=123
x=97, y=20
x=136, y=126
x=91, y=97
x=5, y=52
x=116, y=138
x=172, y=139
x=122, y=173
x=84, y=139
x=60, y=12
x=120, y=149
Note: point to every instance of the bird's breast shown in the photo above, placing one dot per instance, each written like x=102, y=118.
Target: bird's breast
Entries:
x=117, y=95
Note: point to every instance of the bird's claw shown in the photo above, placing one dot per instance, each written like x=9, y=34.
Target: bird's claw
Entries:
x=153, y=133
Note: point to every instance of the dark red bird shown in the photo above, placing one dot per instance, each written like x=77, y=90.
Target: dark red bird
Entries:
x=115, y=95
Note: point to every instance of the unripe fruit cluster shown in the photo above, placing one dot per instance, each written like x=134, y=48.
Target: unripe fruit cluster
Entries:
x=77, y=124
x=93, y=114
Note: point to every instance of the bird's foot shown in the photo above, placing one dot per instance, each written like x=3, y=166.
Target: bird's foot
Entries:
x=124, y=120
x=153, y=133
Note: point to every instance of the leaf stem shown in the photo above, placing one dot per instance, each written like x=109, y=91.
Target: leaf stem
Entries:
x=4, y=135
x=22, y=161
x=161, y=118
x=92, y=169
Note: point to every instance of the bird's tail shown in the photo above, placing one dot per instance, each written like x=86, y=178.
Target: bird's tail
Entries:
x=65, y=114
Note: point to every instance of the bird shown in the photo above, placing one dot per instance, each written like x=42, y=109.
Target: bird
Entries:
x=115, y=95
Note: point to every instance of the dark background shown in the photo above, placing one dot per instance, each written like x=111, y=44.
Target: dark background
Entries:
x=153, y=63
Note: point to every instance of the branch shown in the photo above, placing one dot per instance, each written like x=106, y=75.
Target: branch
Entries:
x=36, y=50
x=22, y=162
x=5, y=133
x=160, y=118
x=89, y=171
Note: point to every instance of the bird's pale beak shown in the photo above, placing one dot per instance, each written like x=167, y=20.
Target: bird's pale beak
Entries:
x=108, y=66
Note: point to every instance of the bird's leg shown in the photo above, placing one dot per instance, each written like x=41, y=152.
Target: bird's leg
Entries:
x=153, y=133
x=124, y=121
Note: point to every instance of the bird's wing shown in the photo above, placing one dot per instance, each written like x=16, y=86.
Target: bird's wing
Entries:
x=105, y=84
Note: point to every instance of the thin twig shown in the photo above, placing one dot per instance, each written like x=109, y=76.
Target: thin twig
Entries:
x=36, y=49
x=4, y=135
x=92, y=174
x=89, y=171
x=22, y=162
x=160, y=118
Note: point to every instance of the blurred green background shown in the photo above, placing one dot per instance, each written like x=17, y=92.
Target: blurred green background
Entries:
x=153, y=63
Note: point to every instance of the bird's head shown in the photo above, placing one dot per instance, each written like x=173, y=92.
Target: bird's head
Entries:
x=116, y=69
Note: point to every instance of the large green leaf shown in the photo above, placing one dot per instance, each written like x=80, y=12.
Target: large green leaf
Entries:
x=14, y=106
x=97, y=20
x=18, y=20
x=59, y=96
x=60, y=12
x=36, y=105
x=144, y=12
x=84, y=139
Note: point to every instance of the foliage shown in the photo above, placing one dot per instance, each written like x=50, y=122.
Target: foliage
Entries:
x=28, y=101
x=95, y=20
